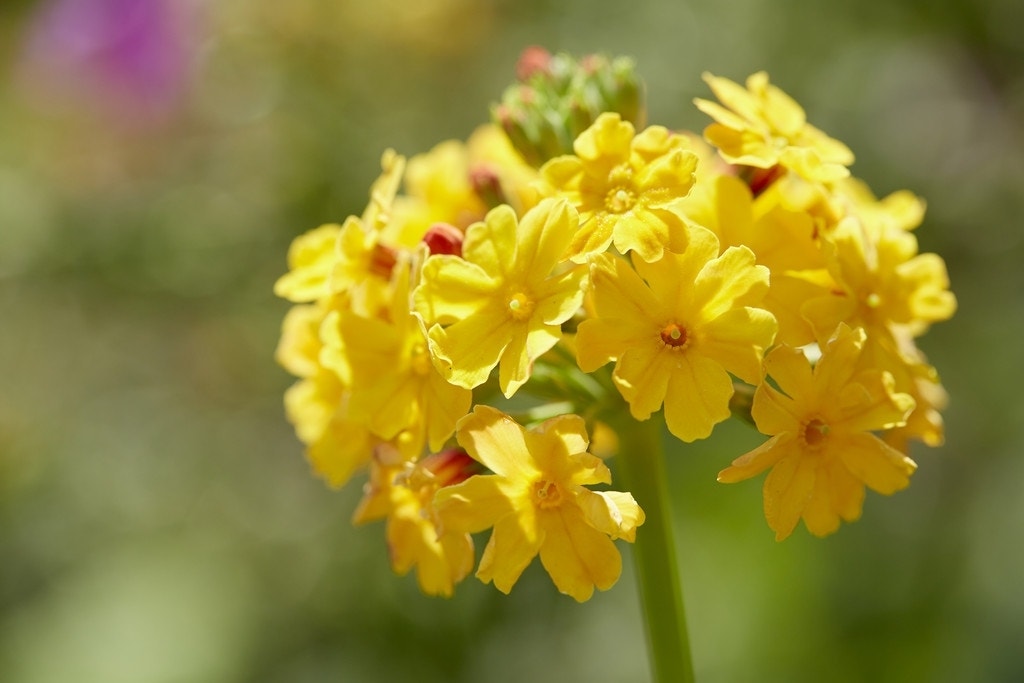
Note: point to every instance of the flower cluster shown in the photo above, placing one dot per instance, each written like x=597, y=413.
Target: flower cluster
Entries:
x=462, y=338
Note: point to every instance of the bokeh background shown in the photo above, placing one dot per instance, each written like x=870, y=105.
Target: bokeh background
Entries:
x=157, y=520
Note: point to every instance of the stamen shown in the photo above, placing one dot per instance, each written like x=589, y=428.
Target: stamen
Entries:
x=674, y=335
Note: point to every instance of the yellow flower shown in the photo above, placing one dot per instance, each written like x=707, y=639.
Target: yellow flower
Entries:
x=317, y=405
x=505, y=299
x=311, y=259
x=822, y=452
x=537, y=503
x=882, y=282
x=762, y=126
x=348, y=259
x=395, y=389
x=625, y=187
x=403, y=494
x=676, y=338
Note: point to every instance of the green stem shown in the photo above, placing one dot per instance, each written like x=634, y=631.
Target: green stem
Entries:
x=641, y=464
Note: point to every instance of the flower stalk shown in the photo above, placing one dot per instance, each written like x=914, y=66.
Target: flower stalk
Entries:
x=641, y=469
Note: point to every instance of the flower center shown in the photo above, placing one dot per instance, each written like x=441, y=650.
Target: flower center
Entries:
x=547, y=494
x=520, y=306
x=619, y=200
x=815, y=433
x=674, y=335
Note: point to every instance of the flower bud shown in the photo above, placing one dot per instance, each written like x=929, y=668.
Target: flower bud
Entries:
x=443, y=238
x=557, y=97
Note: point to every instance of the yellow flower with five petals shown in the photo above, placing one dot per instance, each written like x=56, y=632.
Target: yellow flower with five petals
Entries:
x=504, y=300
x=537, y=503
x=676, y=338
x=821, y=451
x=762, y=126
x=626, y=187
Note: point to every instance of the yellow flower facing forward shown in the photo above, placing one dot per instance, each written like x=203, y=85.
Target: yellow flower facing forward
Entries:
x=403, y=495
x=676, y=338
x=625, y=187
x=762, y=126
x=537, y=503
x=821, y=451
x=504, y=300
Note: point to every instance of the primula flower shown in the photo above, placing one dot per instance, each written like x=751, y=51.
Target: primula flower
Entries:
x=821, y=451
x=317, y=405
x=882, y=282
x=625, y=187
x=505, y=299
x=311, y=260
x=537, y=503
x=403, y=494
x=676, y=338
x=395, y=388
x=349, y=259
x=762, y=126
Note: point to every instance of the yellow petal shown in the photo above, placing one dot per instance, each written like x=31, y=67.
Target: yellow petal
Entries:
x=820, y=514
x=493, y=438
x=737, y=339
x=671, y=278
x=492, y=244
x=742, y=147
x=543, y=236
x=754, y=462
x=792, y=372
x=475, y=504
x=735, y=96
x=576, y=556
x=642, y=377
x=697, y=397
x=727, y=281
x=469, y=349
x=513, y=545
x=608, y=140
x=523, y=348
x=451, y=289
x=615, y=513
x=880, y=466
x=787, y=489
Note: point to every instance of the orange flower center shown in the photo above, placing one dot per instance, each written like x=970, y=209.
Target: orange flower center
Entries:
x=547, y=494
x=815, y=433
x=520, y=306
x=674, y=335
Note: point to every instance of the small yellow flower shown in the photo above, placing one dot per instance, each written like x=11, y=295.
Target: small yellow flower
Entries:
x=882, y=282
x=626, y=188
x=317, y=405
x=821, y=451
x=676, y=338
x=395, y=388
x=537, y=503
x=504, y=300
x=311, y=259
x=762, y=126
x=403, y=495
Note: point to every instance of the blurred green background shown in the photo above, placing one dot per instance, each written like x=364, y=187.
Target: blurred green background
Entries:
x=157, y=520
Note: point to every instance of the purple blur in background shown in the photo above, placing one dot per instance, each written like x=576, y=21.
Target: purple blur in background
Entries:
x=126, y=59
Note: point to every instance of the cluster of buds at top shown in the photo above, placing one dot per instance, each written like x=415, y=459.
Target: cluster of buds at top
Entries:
x=557, y=97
